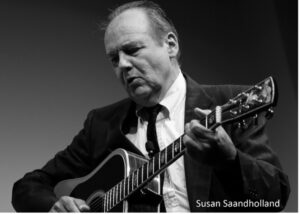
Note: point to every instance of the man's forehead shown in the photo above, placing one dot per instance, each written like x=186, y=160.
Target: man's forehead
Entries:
x=127, y=27
x=131, y=19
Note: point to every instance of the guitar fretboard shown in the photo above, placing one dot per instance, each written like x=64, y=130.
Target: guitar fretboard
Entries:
x=138, y=178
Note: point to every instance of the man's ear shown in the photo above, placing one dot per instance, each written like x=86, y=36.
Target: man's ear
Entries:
x=172, y=44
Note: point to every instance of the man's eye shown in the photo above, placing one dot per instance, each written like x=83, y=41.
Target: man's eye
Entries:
x=132, y=51
x=114, y=60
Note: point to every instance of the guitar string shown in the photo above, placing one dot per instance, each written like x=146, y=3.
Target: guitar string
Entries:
x=100, y=202
x=97, y=203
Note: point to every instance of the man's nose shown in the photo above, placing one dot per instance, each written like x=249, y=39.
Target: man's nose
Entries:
x=124, y=62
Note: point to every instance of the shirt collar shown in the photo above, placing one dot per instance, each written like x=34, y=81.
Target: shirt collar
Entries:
x=172, y=99
x=174, y=95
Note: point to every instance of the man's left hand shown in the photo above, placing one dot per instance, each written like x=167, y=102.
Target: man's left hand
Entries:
x=212, y=147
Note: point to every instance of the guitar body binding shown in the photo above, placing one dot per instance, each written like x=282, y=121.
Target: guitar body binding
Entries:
x=117, y=166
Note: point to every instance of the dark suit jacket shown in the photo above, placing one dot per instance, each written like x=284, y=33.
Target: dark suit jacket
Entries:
x=255, y=174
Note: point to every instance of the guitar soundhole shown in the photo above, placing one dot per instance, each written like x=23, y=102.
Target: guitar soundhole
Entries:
x=112, y=172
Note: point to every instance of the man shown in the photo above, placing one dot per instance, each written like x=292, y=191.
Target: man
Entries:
x=228, y=163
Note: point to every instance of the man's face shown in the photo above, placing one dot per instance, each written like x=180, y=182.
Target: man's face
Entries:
x=141, y=62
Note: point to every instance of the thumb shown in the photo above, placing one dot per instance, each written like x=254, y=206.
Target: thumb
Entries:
x=82, y=206
x=201, y=112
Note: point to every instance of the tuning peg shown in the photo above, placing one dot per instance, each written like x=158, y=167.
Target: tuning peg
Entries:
x=239, y=125
x=244, y=124
x=269, y=113
x=255, y=119
x=232, y=101
x=233, y=112
x=258, y=87
x=246, y=107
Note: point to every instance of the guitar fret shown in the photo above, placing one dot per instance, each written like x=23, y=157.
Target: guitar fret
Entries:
x=169, y=153
x=153, y=159
x=176, y=147
x=150, y=168
x=140, y=179
x=136, y=181
x=181, y=144
x=123, y=184
x=117, y=191
x=210, y=119
x=104, y=203
x=109, y=199
x=159, y=162
x=132, y=181
x=145, y=172
x=156, y=163
x=165, y=156
x=142, y=173
x=172, y=150
x=113, y=197
x=126, y=187
x=121, y=191
x=162, y=158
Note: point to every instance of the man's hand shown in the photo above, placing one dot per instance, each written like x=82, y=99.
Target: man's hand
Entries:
x=69, y=204
x=211, y=147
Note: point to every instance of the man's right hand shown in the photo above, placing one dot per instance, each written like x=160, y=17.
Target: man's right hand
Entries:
x=69, y=204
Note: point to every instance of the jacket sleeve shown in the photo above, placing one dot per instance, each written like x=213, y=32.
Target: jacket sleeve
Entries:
x=256, y=173
x=34, y=192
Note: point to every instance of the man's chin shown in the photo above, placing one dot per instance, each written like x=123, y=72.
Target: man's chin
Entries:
x=143, y=99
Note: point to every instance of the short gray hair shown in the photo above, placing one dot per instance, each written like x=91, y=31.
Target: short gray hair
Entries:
x=160, y=22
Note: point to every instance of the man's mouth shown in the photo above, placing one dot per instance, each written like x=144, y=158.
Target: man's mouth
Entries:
x=131, y=79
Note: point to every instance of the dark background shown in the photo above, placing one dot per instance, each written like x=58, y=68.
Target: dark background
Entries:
x=53, y=70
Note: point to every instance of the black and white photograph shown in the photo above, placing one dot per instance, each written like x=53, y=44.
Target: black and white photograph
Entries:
x=149, y=106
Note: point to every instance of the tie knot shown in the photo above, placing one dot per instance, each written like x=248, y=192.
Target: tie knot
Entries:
x=152, y=112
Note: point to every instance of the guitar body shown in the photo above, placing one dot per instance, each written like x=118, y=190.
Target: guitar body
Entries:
x=117, y=166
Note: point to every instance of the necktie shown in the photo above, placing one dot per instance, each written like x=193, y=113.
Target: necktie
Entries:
x=152, y=143
x=152, y=146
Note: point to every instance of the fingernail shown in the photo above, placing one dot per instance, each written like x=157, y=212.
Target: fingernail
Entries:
x=84, y=208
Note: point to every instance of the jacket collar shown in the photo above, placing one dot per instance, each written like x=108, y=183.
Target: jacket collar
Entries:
x=195, y=97
x=198, y=176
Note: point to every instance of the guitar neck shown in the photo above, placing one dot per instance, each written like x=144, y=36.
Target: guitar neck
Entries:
x=141, y=176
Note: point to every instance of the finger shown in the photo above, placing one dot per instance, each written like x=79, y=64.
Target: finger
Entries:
x=191, y=144
x=82, y=206
x=201, y=112
x=69, y=204
x=58, y=207
x=198, y=151
x=189, y=132
x=201, y=133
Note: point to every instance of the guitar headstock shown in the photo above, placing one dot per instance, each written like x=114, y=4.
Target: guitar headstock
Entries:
x=260, y=97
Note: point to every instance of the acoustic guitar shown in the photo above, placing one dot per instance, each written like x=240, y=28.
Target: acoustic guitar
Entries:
x=126, y=182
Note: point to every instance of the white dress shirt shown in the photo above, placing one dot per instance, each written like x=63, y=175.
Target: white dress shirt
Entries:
x=169, y=126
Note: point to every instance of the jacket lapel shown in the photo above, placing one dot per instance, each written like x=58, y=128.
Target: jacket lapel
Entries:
x=198, y=176
x=116, y=136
